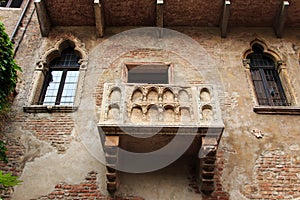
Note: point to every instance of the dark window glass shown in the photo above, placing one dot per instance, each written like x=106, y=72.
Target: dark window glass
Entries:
x=265, y=78
x=151, y=74
x=3, y=3
x=61, y=80
x=11, y=3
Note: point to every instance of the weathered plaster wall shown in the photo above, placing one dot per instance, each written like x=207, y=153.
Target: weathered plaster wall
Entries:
x=9, y=17
x=243, y=151
x=55, y=152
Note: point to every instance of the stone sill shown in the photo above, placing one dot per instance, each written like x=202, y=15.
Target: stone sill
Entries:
x=212, y=131
x=49, y=109
x=280, y=110
x=9, y=9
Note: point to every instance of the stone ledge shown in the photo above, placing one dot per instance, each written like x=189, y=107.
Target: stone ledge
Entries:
x=212, y=131
x=49, y=109
x=280, y=110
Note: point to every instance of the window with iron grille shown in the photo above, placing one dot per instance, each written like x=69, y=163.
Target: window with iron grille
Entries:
x=11, y=3
x=266, y=81
x=61, y=80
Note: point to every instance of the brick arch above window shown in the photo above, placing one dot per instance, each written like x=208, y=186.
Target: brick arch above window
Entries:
x=43, y=68
x=269, y=81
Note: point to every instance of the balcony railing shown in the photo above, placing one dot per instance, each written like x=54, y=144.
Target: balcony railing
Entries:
x=150, y=105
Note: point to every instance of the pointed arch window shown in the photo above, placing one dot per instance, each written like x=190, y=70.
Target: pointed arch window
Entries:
x=265, y=77
x=61, y=79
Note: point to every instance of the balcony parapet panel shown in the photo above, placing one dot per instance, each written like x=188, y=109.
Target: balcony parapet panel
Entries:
x=160, y=105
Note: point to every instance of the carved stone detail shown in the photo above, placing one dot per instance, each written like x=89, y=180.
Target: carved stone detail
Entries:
x=195, y=105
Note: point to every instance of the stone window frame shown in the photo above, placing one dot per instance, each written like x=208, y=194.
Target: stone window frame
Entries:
x=42, y=67
x=281, y=67
x=168, y=64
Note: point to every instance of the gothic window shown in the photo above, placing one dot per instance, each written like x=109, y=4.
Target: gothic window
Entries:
x=266, y=81
x=61, y=80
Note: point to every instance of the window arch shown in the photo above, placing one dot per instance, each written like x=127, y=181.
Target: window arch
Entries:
x=265, y=78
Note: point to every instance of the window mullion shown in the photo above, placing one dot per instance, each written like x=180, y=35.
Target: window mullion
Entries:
x=9, y=3
x=61, y=87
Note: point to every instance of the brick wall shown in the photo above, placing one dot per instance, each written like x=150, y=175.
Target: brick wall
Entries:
x=119, y=13
x=55, y=128
x=219, y=193
x=276, y=177
x=88, y=189
x=67, y=13
x=15, y=153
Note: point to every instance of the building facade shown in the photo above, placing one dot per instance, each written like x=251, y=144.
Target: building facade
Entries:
x=154, y=99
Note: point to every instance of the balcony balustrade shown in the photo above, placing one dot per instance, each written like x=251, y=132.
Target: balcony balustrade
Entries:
x=163, y=105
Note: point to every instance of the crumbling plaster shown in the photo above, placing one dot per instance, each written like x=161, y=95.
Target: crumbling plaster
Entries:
x=44, y=172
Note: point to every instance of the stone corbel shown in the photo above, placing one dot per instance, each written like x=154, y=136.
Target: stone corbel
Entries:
x=209, y=146
x=160, y=16
x=281, y=18
x=159, y=13
x=99, y=18
x=246, y=63
x=41, y=65
x=280, y=65
x=111, y=155
x=207, y=157
x=225, y=18
x=83, y=64
x=43, y=17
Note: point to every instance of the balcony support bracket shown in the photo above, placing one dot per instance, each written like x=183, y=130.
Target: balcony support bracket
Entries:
x=224, y=19
x=111, y=155
x=280, y=20
x=99, y=18
x=43, y=17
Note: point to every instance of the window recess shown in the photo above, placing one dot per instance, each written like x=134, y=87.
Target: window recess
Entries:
x=149, y=73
